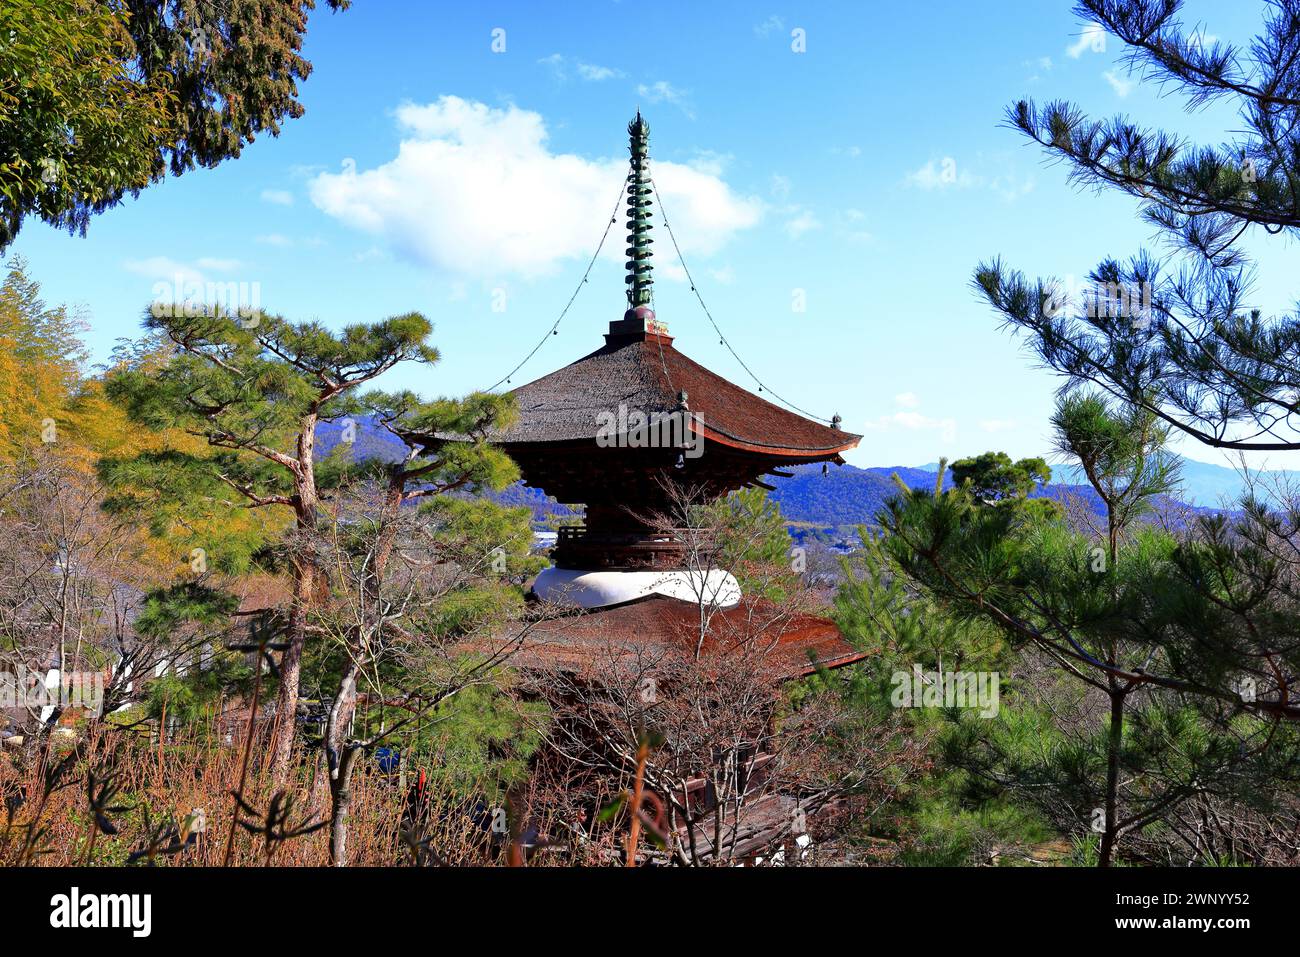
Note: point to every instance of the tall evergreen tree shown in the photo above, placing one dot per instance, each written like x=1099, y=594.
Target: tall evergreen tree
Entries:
x=1179, y=339
x=40, y=364
x=255, y=389
x=1196, y=631
x=429, y=468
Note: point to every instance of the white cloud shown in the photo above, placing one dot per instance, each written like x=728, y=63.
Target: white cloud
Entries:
x=945, y=173
x=1039, y=65
x=914, y=422
x=1093, y=38
x=165, y=269
x=594, y=74
x=1121, y=85
x=474, y=191
x=277, y=197
x=910, y=420
x=803, y=221
x=852, y=225
x=281, y=241
x=591, y=72
x=1010, y=186
x=664, y=92
x=369, y=255
x=998, y=425
x=305, y=170
x=672, y=271
x=207, y=279
x=711, y=161
x=799, y=219
x=772, y=24
x=940, y=174
x=556, y=62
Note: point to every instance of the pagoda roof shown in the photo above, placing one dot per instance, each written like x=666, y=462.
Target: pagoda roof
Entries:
x=644, y=372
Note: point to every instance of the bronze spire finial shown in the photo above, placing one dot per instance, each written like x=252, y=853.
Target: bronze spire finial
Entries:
x=639, y=277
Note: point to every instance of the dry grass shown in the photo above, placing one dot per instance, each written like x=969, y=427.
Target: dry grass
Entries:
x=161, y=788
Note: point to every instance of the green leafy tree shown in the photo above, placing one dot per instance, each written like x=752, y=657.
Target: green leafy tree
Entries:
x=1177, y=345
x=1122, y=455
x=98, y=100
x=408, y=590
x=881, y=611
x=41, y=354
x=379, y=607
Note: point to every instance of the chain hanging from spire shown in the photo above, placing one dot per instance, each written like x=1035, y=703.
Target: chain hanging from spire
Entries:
x=639, y=277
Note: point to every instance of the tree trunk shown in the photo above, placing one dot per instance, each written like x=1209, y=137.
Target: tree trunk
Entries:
x=341, y=801
x=1110, y=837
x=286, y=708
x=304, y=586
x=338, y=758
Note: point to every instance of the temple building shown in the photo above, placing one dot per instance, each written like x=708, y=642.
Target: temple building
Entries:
x=618, y=431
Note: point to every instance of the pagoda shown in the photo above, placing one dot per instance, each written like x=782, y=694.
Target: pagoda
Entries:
x=616, y=429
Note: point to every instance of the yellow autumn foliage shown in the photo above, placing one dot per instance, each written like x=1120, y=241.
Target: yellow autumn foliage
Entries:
x=47, y=407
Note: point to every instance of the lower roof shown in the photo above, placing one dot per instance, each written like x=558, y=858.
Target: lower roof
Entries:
x=792, y=644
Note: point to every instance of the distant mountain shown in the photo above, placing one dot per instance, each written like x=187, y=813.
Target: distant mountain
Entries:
x=1203, y=484
x=374, y=441
x=814, y=501
x=850, y=496
x=843, y=495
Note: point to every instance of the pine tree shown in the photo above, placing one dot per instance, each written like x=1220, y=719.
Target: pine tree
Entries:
x=254, y=388
x=993, y=477
x=472, y=535
x=1195, y=631
x=1178, y=338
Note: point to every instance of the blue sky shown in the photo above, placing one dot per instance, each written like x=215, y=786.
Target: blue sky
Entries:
x=864, y=177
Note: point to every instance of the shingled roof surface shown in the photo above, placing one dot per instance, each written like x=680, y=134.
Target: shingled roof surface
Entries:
x=800, y=643
x=646, y=374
